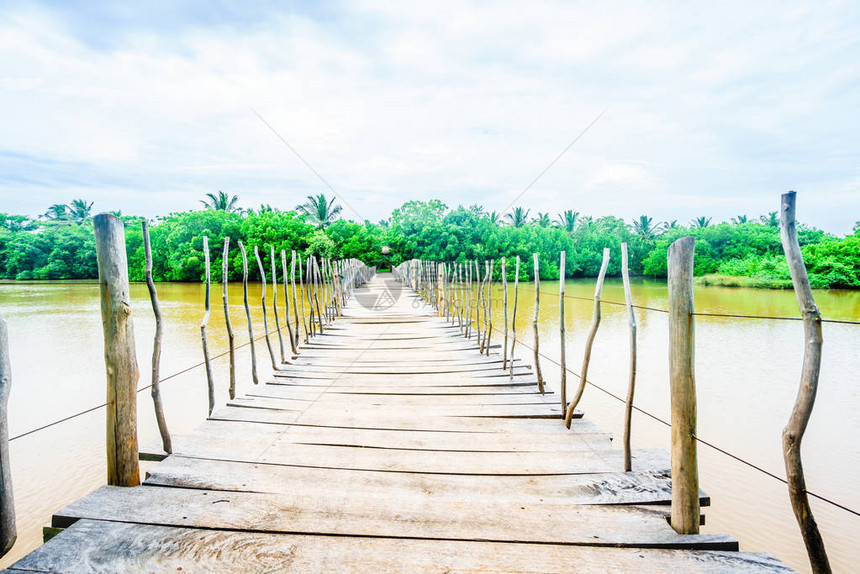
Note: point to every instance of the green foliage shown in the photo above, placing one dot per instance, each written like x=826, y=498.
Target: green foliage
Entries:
x=745, y=252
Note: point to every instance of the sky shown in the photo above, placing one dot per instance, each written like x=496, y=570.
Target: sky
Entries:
x=708, y=108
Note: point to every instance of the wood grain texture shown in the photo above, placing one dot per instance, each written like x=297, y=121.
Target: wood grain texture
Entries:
x=120, y=352
x=8, y=528
x=792, y=434
x=155, y=388
x=92, y=546
x=685, y=466
x=631, y=383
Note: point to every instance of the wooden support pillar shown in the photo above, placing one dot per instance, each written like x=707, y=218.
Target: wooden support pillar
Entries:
x=685, y=467
x=792, y=434
x=120, y=353
x=8, y=529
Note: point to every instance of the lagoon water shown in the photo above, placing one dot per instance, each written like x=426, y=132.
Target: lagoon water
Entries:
x=747, y=373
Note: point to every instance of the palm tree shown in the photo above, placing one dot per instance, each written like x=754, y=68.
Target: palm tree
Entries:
x=588, y=224
x=700, y=222
x=493, y=217
x=518, y=217
x=80, y=210
x=543, y=220
x=740, y=219
x=321, y=211
x=222, y=202
x=645, y=228
x=568, y=219
x=57, y=212
x=771, y=219
x=670, y=224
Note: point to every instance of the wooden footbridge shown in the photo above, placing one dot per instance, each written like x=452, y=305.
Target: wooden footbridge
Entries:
x=390, y=444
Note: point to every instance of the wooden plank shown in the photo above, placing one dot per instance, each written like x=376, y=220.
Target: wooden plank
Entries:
x=251, y=432
x=357, y=514
x=388, y=421
x=86, y=545
x=602, y=488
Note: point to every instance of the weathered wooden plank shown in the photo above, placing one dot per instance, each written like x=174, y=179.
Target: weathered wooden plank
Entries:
x=601, y=488
x=89, y=545
x=387, y=421
x=358, y=514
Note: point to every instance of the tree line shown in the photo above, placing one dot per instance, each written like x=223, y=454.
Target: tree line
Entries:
x=744, y=251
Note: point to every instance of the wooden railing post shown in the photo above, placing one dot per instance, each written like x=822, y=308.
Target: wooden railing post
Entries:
x=792, y=435
x=120, y=355
x=155, y=390
x=8, y=529
x=685, y=467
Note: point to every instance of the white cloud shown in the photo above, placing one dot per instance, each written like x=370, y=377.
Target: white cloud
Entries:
x=712, y=108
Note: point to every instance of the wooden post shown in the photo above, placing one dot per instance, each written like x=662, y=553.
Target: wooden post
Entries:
x=589, y=342
x=561, y=332
x=489, y=328
x=514, y=316
x=210, y=382
x=155, y=390
x=287, y=302
x=792, y=434
x=505, y=306
x=535, y=325
x=631, y=387
x=265, y=314
x=316, y=274
x=231, y=338
x=120, y=352
x=8, y=529
x=275, y=305
x=470, y=289
x=685, y=467
x=481, y=311
x=440, y=289
x=248, y=314
x=302, y=300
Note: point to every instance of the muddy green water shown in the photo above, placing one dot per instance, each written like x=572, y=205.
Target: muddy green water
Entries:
x=747, y=375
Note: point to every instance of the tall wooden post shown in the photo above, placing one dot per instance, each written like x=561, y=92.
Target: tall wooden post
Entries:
x=505, y=306
x=535, y=325
x=155, y=390
x=210, y=381
x=286, y=278
x=685, y=467
x=514, y=316
x=120, y=355
x=561, y=333
x=254, y=377
x=231, y=337
x=792, y=435
x=8, y=529
x=631, y=386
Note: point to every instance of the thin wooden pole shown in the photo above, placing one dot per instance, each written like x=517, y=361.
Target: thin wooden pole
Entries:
x=230, y=336
x=275, y=306
x=155, y=389
x=120, y=352
x=248, y=314
x=561, y=332
x=470, y=292
x=302, y=300
x=589, y=342
x=540, y=381
x=792, y=434
x=265, y=314
x=316, y=273
x=440, y=289
x=685, y=467
x=481, y=311
x=290, y=334
x=505, y=306
x=210, y=381
x=514, y=315
x=631, y=387
x=8, y=528
x=490, y=305
x=309, y=287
